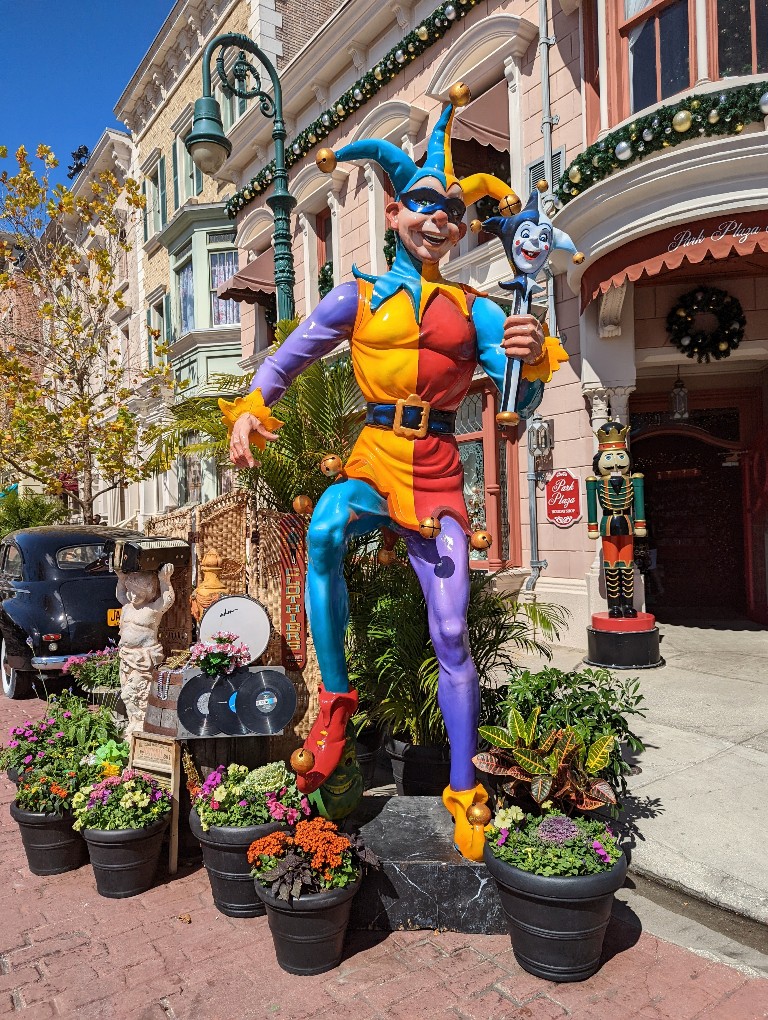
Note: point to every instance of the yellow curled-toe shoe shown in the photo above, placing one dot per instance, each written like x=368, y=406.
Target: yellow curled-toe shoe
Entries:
x=470, y=815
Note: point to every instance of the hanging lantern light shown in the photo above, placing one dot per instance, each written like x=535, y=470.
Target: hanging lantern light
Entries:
x=678, y=400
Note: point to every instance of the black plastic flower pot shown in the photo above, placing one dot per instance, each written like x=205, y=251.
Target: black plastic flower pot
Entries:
x=124, y=861
x=557, y=924
x=225, y=849
x=51, y=845
x=13, y=775
x=367, y=746
x=308, y=932
x=419, y=771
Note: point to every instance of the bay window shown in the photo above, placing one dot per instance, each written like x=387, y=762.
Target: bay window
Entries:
x=221, y=266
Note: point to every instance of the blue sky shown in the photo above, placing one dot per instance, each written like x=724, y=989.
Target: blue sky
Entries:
x=63, y=67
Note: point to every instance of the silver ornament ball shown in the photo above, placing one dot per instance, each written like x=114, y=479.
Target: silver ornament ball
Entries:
x=623, y=151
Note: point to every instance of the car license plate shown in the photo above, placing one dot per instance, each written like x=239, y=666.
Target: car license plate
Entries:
x=113, y=617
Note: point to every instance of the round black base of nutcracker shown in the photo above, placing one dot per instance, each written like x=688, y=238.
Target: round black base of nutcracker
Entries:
x=623, y=643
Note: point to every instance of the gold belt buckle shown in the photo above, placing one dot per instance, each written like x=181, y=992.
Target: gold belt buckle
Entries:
x=402, y=430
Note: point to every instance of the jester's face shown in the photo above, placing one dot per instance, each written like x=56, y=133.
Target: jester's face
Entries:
x=531, y=246
x=613, y=462
x=428, y=219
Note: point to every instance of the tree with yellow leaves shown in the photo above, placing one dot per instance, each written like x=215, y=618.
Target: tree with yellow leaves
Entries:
x=64, y=385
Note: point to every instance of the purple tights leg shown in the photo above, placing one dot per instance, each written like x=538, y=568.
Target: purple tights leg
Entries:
x=442, y=566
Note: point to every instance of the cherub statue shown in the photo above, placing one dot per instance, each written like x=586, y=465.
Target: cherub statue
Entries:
x=146, y=597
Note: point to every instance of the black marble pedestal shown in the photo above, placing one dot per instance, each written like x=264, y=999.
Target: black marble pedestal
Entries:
x=423, y=881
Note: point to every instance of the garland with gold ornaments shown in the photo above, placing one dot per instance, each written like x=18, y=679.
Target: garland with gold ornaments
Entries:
x=705, y=114
x=412, y=45
x=699, y=344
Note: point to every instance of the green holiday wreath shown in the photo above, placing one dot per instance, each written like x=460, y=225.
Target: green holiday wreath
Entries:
x=696, y=343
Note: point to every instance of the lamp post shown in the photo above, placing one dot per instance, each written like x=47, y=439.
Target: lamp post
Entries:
x=209, y=147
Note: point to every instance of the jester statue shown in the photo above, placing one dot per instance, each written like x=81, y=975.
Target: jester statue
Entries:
x=620, y=495
x=415, y=341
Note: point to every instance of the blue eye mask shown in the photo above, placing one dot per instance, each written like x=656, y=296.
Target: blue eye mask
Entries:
x=426, y=201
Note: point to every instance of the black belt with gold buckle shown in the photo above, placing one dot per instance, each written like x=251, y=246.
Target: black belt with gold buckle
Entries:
x=411, y=418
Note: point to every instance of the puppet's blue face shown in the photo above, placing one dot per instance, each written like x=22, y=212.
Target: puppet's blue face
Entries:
x=531, y=246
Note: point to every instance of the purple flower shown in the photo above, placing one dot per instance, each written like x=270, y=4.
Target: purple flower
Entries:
x=28, y=759
x=13, y=743
x=503, y=834
x=41, y=754
x=33, y=740
x=28, y=733
x=557, y=829
x=243, y=803
x=50, y=740
x=157, y=795
x=59, y=734
x=67, y=715
x=50, y=722
x=601, y=852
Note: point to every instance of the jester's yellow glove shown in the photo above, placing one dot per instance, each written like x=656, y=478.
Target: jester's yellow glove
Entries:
x=549, y=361
x=253, y=404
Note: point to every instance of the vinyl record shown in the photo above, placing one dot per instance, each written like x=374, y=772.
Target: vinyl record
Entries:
x=222, y=706
x=242, y=616
x=192, y=706
x=266, y=701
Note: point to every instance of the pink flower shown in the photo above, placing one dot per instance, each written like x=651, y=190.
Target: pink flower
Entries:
x=601, y=852
x=503, y=834
x=13, y=743
x=293, y=816
x=28, y=759
x=276, y=810
x=214, y=805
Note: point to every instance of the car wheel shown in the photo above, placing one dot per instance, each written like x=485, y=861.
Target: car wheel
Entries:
x=17, y=683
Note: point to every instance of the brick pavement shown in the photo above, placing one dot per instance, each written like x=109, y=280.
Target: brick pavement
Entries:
x=66, y=952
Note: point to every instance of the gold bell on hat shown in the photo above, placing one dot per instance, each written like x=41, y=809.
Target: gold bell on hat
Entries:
x=510, y=205
x=303, y=505
x=331, y=465
x=481, y=540
x=429, y=527
x=326, y=160
x=459, y=94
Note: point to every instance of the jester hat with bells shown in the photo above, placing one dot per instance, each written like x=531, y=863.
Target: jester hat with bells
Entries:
x=405, y=175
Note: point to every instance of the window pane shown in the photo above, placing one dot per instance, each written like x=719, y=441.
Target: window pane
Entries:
x=642, y=65
x=186, y=299
x=761, y=26
x=471, y=453
x=673, y=44
x=734, y=37
x=77, y=557
x=469, y=417
x=223, y=265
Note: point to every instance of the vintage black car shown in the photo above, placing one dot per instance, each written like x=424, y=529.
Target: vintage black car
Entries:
x=57, y=598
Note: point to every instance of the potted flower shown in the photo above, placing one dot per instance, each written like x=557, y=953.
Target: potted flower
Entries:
x=43, y=812
x=232, y=808
x=556, y=877
x=99, y=669
x=123, y=818
x=306, y=879
x=221, y=655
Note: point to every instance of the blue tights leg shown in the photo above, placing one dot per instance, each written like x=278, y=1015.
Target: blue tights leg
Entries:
x=345, y=509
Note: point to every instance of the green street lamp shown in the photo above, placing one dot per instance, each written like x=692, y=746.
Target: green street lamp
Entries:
x=209, y=147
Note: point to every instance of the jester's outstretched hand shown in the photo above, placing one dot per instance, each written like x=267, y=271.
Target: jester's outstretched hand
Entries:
x=415, y=341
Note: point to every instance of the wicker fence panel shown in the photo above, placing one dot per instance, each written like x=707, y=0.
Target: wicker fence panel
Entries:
x=265, y=584
x=222, y=524
x=176, y=627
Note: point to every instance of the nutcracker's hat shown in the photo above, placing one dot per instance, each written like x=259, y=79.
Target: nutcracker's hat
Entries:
x=612, y=436
x=403, y=171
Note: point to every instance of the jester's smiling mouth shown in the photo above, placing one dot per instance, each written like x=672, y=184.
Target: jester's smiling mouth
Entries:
x=433, y=238
x=531, y=253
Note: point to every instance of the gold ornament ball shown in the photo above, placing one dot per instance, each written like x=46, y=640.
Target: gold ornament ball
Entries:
x=543, y=186
x=386, y=557
x=476, y=226
x=739, y=128
x=578, y=258
x=481, y=540
x=303, y=505
x=326, y=160
x=302, y=761
x=508, y=418
x=331, y=465
x=422, y=33
x=713, y=116
x=574, y=174
x=682, y=121
x=429, y=527
x=723, y=345
x=478, y=814
x=510, y=205
x=459, y=94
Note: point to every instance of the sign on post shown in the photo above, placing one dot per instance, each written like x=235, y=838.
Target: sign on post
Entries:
x=563, y=495
x=159, y=757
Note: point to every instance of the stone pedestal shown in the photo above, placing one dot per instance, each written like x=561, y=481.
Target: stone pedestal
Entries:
x=424, y=883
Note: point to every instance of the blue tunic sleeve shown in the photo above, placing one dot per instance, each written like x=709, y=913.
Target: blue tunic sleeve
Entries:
x=489, y=322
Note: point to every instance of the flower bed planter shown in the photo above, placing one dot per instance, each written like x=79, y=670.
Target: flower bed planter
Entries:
x=419, y=771
x=557, y=924
x=51, y=845
x=308, y=932
x=124, y=861
x=224, y=855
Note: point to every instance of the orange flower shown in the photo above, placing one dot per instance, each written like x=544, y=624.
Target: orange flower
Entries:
x=272, y=845
x=60, y=791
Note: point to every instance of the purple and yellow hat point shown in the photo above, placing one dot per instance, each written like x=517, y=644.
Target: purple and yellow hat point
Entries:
x=403, y=171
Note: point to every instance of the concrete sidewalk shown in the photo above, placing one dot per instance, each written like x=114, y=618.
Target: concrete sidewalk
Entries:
x=699, y=804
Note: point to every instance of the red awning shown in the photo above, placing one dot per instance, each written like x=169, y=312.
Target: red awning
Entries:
x=718, y=237
x=253, y=283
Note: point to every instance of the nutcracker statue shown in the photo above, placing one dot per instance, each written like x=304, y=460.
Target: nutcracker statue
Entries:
x=622, y=637
x=415, y=340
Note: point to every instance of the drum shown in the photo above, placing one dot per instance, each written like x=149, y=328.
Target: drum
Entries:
x=240, y=615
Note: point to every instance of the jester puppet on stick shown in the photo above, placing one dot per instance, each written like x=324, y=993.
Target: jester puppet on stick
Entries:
x=415, y=341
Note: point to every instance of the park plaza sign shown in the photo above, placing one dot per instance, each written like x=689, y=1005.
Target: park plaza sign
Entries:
x=563, y=498
x=734, y=228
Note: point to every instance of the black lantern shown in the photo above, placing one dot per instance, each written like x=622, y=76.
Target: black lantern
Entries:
x=678, y=400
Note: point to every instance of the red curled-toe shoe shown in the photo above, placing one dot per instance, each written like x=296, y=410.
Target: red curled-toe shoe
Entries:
x=327, y=738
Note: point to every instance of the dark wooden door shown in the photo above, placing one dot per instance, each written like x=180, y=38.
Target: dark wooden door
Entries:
x=693, y=506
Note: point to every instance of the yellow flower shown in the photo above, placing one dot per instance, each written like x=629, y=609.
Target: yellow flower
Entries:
x=110, y=769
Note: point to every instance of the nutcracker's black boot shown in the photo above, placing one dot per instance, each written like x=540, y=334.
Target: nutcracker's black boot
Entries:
x=628, y=593
x=613, y=592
